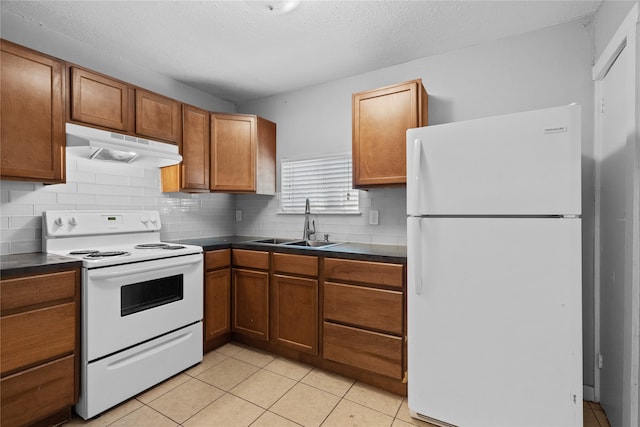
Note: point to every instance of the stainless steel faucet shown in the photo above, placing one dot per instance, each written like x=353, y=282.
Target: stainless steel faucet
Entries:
x=308, y=232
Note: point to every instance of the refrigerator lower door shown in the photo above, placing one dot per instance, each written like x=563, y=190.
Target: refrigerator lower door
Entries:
x=494, y=321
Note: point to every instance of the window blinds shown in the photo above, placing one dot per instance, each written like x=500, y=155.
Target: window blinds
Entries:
x=325, y=181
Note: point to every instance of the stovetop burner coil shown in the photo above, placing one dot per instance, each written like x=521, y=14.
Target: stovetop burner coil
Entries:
x=151, y=246
x=84, y=252
x=106, y=254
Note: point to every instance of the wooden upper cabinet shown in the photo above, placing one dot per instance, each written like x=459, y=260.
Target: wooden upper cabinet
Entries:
x=243, y=152
x=101, y=101
x=381, y=118
x=32, y=123
x=195, y=149
x=157, y=116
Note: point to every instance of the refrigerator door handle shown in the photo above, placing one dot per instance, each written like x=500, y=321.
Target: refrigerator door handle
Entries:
x=414, y=198
x=415, y=231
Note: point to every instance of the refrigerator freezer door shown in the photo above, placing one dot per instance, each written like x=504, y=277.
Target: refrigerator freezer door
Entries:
x=494, y=337
x=517, y=164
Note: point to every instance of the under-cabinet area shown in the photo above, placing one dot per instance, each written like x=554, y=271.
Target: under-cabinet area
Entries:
x=343, y=315
x=40, y=346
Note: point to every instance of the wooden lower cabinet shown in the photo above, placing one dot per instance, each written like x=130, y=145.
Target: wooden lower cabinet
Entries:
x=217, y=298
x=251, y=303
x=342, y=315
x=294, y=302
x=295, y=312
x=364, y=316
x=39, y=327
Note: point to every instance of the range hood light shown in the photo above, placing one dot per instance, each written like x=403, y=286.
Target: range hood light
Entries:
x=115, y=155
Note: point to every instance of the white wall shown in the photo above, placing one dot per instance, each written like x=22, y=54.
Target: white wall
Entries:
x=618, y=212
x=540, y=69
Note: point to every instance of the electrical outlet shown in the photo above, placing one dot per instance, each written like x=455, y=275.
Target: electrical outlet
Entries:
x=238, y=215
x=373, y=217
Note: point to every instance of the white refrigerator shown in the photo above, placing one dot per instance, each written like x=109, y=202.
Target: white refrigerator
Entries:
x=494, y=271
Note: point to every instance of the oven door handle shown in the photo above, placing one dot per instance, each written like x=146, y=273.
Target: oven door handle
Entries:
x=119, y=274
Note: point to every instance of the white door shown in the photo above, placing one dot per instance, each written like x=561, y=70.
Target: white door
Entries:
x=518, y=164
x=494, y=312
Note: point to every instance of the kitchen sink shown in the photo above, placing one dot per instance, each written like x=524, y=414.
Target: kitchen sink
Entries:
x=311, y=243
x=275, y=241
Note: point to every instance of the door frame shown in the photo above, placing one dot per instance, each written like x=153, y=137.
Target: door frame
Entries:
x=626, y=37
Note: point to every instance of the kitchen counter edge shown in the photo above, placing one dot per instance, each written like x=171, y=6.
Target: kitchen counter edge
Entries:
x=346, y=250
x=16, y=265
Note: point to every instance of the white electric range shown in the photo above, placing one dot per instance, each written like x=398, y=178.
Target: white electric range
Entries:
x=142, y=302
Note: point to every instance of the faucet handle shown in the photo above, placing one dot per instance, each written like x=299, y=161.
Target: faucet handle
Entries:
x=326, y=237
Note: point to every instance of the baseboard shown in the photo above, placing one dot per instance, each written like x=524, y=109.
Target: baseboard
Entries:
x=588, y=393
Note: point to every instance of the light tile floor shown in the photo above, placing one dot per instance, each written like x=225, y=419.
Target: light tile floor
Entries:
x=240, y=386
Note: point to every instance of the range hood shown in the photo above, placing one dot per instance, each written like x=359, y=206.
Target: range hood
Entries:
x=98, y=144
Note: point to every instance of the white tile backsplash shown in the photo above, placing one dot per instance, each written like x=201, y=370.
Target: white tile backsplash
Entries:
x=98, y=185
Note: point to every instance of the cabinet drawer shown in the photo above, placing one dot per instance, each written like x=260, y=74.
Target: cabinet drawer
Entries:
x=39, y=335
x=367, y=307
x=38, y=392
x=28, y=291
x=217, y=259
x=295, y=264
x=250, y=259
x=364, y=271
x=362, y=349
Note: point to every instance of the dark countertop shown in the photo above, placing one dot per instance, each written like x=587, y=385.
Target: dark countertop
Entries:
x=350, y=250
x=35, y=263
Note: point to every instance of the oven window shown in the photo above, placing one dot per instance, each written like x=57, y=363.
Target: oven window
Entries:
x=153, y=293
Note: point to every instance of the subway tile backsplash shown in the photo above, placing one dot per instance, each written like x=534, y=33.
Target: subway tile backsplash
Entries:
x=97, y=185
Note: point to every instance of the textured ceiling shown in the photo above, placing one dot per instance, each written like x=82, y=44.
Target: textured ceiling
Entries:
x=240, y=51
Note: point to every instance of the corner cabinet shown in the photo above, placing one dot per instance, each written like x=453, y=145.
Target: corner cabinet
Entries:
x=243, y=154
x=192, y=175
x=32, y=123
x=250, y=284
x=39, y=329
x=381, y=118
x=217, y=298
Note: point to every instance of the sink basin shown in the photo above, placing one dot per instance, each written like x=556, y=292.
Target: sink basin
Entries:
x=275, y=241
x=311, y=243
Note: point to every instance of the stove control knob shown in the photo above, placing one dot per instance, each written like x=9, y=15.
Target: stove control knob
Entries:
x=73, y=221
x=153, y=219
x=59, y=221
x=144, y=219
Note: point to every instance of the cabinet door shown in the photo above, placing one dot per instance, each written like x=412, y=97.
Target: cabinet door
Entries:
x=157, y=116
x=217, y=305
x=380, y=120
x=99, y=100
x=233, y=153
x=251, y=303
x=32, y=120
x=195, y=149
x=295, y=312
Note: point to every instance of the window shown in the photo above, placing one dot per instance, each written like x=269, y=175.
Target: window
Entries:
x=325, y=181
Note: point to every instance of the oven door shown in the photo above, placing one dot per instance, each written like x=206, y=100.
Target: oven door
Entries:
x=128, y=304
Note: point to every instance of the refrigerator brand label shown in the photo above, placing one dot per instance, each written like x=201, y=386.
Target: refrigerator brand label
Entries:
x=558, y=129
